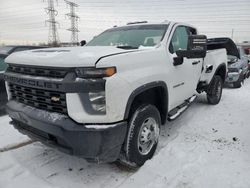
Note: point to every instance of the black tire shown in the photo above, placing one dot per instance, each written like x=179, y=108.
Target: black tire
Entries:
x=237, y=84
x=215, y=90
x=133, y=153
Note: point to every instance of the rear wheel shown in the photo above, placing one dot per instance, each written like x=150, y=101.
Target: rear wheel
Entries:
x=215, y=90
x=143, y=135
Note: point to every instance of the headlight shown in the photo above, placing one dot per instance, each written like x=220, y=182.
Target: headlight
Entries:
x=95, y=72
x=98, y=101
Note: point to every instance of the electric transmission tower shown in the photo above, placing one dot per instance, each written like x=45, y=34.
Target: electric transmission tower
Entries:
x=74, y=22
x=53, y=38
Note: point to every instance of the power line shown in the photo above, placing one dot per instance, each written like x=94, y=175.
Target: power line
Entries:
x=74, y=22
x=213, y=14
x=53, y=38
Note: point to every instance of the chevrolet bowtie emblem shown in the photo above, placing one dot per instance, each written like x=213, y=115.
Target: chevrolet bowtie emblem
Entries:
x=55, y=99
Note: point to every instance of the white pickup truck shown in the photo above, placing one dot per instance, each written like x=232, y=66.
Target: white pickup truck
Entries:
x=106, y=101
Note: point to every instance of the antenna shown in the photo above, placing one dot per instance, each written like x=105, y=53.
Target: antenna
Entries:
x=74, y=22
x=53, y=38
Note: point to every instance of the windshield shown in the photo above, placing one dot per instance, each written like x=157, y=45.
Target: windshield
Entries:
x=5, y=49
x=131, y=36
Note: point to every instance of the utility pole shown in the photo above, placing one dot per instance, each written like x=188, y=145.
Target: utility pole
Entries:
x=53, y=38
x=232, y=34
x=74, y=22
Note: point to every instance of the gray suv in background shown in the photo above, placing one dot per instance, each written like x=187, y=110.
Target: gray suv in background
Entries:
x=237, y=60
x=237, y=68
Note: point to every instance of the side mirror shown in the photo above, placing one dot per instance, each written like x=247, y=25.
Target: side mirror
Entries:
x=197, y=47
x=83, y=42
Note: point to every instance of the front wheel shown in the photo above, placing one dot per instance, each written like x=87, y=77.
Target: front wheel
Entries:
x=215, y=90
x=143, y=135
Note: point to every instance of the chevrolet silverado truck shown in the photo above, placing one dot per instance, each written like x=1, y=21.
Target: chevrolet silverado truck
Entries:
x=106, y=101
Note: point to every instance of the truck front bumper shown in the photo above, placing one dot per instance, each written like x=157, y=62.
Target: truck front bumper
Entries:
x=97, y=143
x=233, y=77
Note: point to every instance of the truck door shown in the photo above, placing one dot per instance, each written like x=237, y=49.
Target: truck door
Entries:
x=186, y=75
x=196, y=63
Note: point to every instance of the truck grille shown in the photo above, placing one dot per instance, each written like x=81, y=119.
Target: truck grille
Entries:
x=39, y=71
x=233, y=70
x=47, y=100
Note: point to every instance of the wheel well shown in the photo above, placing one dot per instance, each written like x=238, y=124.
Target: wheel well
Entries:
x=221, y=71
x=156, y=96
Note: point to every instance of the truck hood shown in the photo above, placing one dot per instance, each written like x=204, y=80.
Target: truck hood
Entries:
x=227, y=43
x=86, y=56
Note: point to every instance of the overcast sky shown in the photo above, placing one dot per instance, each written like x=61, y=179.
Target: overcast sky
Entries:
x=23, y=21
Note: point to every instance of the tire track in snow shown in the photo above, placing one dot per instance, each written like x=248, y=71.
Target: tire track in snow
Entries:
x=16, y=146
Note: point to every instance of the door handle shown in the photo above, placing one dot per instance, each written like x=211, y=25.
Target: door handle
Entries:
x=195, y=62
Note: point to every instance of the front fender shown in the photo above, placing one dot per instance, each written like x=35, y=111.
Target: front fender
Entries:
x=143, y=88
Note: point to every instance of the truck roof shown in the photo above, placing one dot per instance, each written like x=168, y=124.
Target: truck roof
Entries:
x=156, y=23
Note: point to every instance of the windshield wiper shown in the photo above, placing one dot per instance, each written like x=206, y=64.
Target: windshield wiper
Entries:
x=127, y=47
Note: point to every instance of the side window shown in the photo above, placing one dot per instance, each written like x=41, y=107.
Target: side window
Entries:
x=179, y=39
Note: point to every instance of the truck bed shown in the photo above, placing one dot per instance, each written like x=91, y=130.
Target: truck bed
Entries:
x=213, y=58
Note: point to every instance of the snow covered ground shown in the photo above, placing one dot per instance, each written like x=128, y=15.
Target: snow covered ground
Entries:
x=8, y=136
x=207, y=146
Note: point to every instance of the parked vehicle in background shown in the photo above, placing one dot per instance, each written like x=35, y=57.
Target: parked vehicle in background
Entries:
x=237, y=61
x=247, y=52
x=237, y=68
x=108, y=99
x=3, y=94
x=235, y=72
x=248, y=65
x=245, y=60
x=4, y=52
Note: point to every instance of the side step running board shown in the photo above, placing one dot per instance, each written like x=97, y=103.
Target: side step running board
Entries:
x=173, y=114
